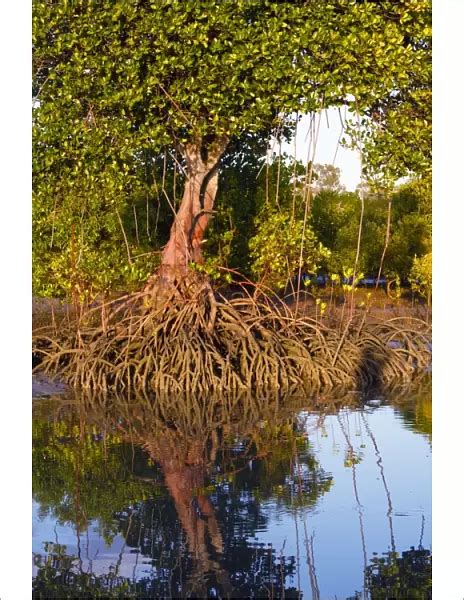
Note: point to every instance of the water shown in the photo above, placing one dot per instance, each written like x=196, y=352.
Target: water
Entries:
x=260, y=499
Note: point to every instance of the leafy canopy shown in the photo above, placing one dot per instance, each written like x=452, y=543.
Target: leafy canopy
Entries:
x=396, y=136
x=162, y=72
x=114, y=80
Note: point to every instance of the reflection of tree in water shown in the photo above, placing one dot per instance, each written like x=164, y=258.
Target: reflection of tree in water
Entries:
x=218, y=468
x=59, y=576
x=409, y=574
x=394, y=576
x=412, y=404
x=416, y=410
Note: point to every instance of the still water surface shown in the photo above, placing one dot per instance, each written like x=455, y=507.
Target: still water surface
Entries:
x=257, y=499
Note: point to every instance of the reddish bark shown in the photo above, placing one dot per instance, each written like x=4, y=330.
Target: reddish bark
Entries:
x=185, y=465
x=191, y=220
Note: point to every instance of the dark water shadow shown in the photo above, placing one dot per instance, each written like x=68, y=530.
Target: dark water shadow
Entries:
x=370, y=371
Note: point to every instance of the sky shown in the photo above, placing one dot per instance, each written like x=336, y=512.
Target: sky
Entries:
x=347, y=161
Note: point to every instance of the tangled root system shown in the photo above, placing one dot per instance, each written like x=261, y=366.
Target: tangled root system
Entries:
x=204, y=344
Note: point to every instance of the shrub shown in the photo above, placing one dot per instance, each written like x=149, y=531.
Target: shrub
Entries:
x=275, y=249
x=421, y=276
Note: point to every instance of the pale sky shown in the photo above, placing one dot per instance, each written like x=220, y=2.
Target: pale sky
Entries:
x=326, y=148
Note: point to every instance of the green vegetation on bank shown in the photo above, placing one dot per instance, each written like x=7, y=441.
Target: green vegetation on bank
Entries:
x=125, y=92
x=259, y=237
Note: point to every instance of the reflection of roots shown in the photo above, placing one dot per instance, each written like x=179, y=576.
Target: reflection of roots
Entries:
x=201, y=344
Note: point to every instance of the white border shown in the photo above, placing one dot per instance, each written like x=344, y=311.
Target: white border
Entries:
x=15, y=438
x=448, y=274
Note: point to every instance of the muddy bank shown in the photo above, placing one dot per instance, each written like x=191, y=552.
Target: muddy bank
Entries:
x=47, y=311
x=43, y=387
x=331, y=305
x=376, y=304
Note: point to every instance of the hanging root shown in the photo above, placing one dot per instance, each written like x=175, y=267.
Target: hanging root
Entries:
x=203, y=344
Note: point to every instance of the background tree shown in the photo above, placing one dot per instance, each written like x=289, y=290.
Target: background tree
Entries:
x=327, y=178
x=335, y=222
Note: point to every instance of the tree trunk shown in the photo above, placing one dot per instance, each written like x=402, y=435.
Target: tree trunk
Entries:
x=191, y=220
x=185, y=466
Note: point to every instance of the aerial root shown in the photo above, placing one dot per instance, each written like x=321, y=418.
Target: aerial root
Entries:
x=202, y=344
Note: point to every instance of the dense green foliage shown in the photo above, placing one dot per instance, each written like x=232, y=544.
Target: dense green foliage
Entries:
x=395, y=576
x=120, y=69
x=421, y=275
x=276, y=249
x=79, y=245
x=397, y=128
x=335, y=220
x=120, y=87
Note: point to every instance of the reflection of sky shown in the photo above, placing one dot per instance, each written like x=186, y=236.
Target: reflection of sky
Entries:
x=335, y=521
x=93, y=550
